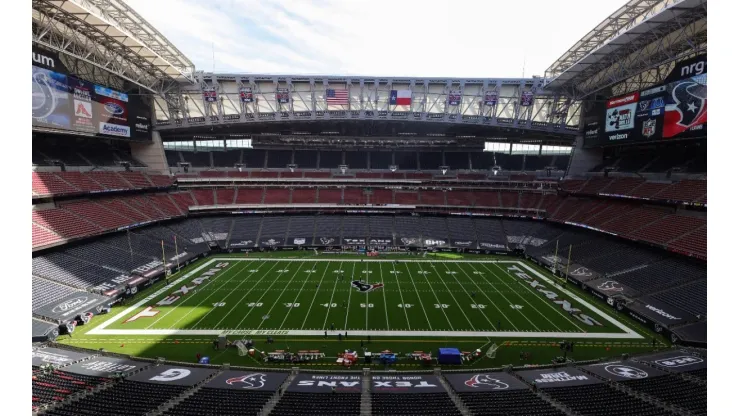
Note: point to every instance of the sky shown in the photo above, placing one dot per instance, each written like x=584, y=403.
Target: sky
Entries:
x=409, y=38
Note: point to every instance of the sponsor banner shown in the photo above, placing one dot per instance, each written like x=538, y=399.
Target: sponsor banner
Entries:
x=327, y=241
x=473, y=382
x=527, y=99
x=676, y=361
x=434, y=242
x=658, y=312
x=71, y=305
x=686, y=108
x=210, y=95
x=55, y=356
x=326, y=383
x=353, y=241
x=406, y=384
x=297, y=241
x=247, y=380
x=282, y=96
x=245, y=95
x=43, y=331
x=610, y=288
x=624, y=371
x=411, y=241
x=620, y=116
x=454, y=97
x=557, y=377
x=114, y=130
x=105, y=366
x=107, y=92
x=172, y=375
x=487, y=245
x=592, y=132
x=241, y=242
x=82, y=105
x=47, y=60
x=688, y=68
x=380, y=241
x=271, y=242
x=491, y=98
x=463, y=243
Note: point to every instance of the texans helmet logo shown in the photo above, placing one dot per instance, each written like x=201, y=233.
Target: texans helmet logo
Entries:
x=689, y=110
x=365, y=287
x=249, y=381
x=611, y=285
x=484, y=380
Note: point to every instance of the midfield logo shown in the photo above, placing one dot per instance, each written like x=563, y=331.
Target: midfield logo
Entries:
x=486, y=381
x=365, y=287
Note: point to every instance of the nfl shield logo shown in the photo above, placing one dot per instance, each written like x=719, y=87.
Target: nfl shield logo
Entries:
x=648, y=127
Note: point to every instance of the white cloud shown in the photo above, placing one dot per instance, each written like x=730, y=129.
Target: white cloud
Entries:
x=459, y=38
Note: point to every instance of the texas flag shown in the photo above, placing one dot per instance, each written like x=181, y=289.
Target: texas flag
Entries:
x=400, y=97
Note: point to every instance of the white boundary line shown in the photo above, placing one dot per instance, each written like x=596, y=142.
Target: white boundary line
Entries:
x=627, y=334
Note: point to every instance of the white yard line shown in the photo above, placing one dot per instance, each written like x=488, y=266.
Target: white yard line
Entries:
x=420, y=301
x=448, y=334
x=492, y=302
x=149, y=298
x=278, y=298
x=385, y=302
x=301, y=291
x=247, y=294
x=314, y=295
x=400, y=292
x=349, y=298
x=367, y=298
x=214, y=292
x=454, y=275
x=541, y=298
x=439, y=302
x=182, y=300
x=328, y=308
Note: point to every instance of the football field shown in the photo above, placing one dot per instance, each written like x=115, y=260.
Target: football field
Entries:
x=379, y=297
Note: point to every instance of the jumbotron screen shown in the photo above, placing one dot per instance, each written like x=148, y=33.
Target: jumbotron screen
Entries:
x=62, y=101
x=674, y=110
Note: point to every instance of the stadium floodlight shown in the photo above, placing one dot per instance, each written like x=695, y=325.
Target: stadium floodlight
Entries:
x=393, y=168
x=292, y=167
x=343, y=168
x=444, y=169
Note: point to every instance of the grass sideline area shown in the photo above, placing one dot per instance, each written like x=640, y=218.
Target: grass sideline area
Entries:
x=426, y=304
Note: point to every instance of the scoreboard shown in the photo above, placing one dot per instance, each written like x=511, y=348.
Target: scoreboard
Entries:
x=62, y=101
x=673, y=110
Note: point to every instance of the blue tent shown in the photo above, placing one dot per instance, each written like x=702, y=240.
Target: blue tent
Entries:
x=449, y=356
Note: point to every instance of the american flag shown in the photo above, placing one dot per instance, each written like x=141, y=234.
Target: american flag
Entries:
x=337, y=97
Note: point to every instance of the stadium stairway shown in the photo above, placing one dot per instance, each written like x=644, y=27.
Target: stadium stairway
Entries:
x=461, y=407
x=187, y=393
x=554, y=403
x=366, y=407
x=278, y=394
x=638, y=395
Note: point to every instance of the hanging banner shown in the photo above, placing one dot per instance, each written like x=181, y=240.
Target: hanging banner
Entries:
x=245, y=95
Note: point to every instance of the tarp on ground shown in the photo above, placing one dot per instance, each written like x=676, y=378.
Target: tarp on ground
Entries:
x=247, y=380
x=449, y=356
x=43, y=331
x=105, y=366
x=624, y=370
x=55, y=356
x=71, y=305
x=557, y=377
x=406, y=384
x=676, y=361
x=657, y=312
x=693, y=333
x=173, y=375
x=325, y=383
x=479, y=382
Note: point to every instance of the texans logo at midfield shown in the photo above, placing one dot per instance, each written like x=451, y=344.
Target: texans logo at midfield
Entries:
x=365, y=287
x=249, y=381
x=483, y=380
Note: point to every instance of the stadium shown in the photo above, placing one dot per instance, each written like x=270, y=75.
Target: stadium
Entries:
x=217, y=243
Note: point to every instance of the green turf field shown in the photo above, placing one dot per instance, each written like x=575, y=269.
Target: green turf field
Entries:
x=408, y=304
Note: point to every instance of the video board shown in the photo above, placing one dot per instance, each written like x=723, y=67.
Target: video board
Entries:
x=62, y=101
x=676, y=109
